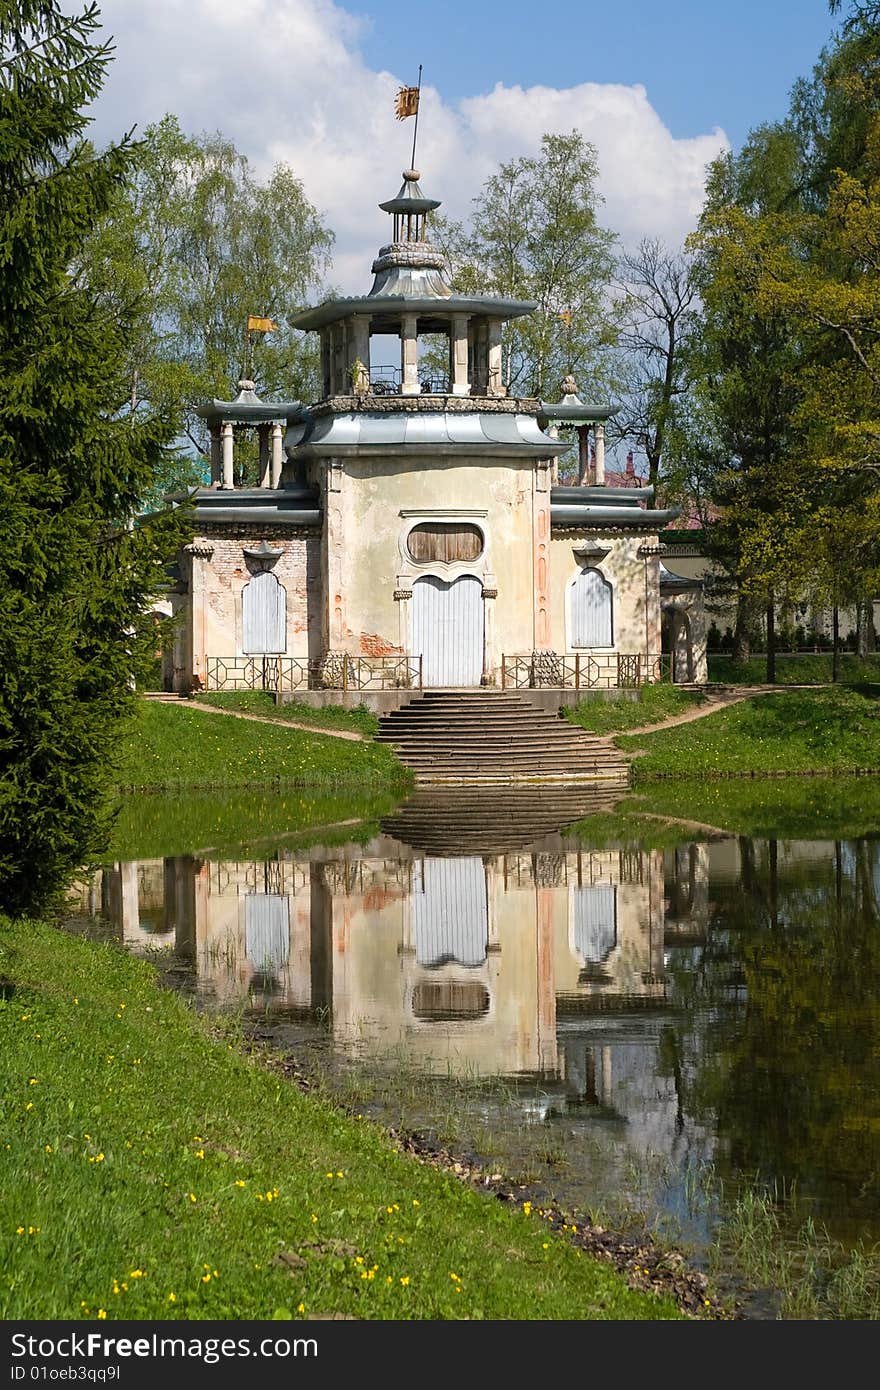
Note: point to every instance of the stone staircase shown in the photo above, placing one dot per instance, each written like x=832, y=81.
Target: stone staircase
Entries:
x=496, y=738
x=443, y=821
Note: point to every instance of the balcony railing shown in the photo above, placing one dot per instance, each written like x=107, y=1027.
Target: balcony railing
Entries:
x=583, y=670
x=287, y=674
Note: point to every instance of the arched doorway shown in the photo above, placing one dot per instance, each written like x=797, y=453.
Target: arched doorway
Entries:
x=447, y=629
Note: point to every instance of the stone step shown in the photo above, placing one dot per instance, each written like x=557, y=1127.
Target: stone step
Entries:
x=479, y=738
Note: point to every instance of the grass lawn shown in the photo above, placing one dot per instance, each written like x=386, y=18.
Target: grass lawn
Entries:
x=809, y=668
x=827, y=730
x=357, y=721
x=240, y=821
x=151, y=1170
x=773, y=808
x=652, y=704
x=170, y=747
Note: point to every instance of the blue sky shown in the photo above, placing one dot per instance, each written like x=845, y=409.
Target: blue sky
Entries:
x=704, y=64
x=659, y=90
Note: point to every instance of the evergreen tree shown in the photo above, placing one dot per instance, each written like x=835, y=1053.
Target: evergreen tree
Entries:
x=76, y=569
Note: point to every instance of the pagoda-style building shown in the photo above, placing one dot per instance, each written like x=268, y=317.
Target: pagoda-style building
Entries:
x=412, y=532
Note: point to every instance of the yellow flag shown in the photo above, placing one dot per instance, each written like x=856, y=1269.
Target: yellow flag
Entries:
x=406, y=103
x=260, y=325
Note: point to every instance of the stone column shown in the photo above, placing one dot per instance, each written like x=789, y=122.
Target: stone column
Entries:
x=459, y=355
x=403, y=599
x=277, y=454
x=200, y=553
x=228, y=444
x=600, y=455
x=541, y=558
x=490, y=594
x=263, y=435
x=359, y=344
x=553, y=431
x=215, y=455
x=495, y=385
x=409, y=356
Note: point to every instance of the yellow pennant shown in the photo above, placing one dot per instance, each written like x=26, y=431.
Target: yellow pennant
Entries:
x=406, y=103
x=261, y=325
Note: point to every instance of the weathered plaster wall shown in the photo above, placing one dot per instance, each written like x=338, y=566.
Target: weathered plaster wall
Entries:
x=364, y=536
x=216, y=571
x=636, y=629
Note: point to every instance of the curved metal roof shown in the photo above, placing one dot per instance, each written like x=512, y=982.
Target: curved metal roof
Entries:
x=423, y=432
x=410, y=198
x=248, y=409
x=392, y=306
x=593, y=518
x=290, y=506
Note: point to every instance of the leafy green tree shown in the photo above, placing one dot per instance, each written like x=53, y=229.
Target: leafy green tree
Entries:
x=535, y=235
x=746, y=373
x=76, y=569
x=198, y=243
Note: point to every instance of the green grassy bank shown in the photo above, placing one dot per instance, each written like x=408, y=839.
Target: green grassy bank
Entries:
x=798, y=731
x=169, y=748
x=356, y=721
x=651, y=705
x=804, y=668
x=150, y=1170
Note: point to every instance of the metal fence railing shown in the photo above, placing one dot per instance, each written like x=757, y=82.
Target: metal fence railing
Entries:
x=336, y=671
x=583, y=670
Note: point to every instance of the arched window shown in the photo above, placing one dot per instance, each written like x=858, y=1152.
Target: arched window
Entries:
x=591, y=611
x=263, y=615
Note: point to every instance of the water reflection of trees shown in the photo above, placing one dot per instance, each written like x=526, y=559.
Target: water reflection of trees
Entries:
x=790, y=978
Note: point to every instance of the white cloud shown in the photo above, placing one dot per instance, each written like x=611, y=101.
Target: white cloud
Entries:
x=285, y=80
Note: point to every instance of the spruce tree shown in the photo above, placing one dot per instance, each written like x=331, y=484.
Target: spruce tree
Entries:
x=76, y=565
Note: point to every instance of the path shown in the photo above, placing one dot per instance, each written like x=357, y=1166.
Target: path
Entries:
x=164, y=698
x=716, y=697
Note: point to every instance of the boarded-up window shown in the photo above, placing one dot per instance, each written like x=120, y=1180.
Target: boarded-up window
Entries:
x=446, y=1001
x=264, y=615
x=450, y=914
x=591, y=611
x=267, y=931
x=445, y=541
x=593, y=921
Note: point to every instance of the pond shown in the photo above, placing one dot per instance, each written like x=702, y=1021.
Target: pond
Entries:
x=657, y=1025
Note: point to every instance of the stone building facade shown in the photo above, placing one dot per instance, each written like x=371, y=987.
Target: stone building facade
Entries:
x=409, y=530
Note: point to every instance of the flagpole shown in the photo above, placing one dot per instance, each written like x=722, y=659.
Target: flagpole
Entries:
x=416, y=126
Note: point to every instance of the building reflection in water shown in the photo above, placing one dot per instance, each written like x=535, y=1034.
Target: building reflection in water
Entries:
x=486, y=963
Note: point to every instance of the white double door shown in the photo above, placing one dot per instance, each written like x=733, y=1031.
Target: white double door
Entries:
x=447, y=629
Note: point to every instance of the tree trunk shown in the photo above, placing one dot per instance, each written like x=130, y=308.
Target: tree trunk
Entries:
x=866, y=636
x=741, y=645
x=771, y=645
x=835, y=639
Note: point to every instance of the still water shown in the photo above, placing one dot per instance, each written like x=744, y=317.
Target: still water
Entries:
x=662, y=1024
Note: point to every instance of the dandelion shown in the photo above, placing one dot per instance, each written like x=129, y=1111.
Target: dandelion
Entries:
x=416, y=1202
x=404, y=1280
x=300, y=1307
x=48, y=1148
x=34, y=1081
x=193, y=1197
x=454, y=1277
x=240, y=1182
x=200, y=1153
x=30, y=1105
x=546, y=1245
x=527, y=1208
x=19, y=1230
x=172, y=1297
x=102, y=1313
x=136, y=1274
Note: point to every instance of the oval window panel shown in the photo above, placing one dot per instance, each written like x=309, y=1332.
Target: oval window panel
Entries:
x=448, y=542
